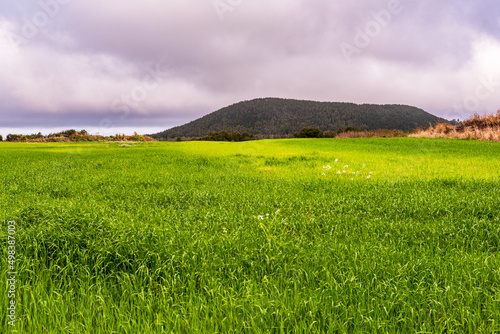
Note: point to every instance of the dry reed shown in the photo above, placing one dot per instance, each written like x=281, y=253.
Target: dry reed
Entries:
x=486, y=127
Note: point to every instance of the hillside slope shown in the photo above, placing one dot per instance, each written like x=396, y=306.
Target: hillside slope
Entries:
x=281, y=117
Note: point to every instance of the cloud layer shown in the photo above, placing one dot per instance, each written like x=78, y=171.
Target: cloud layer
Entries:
x=118, y=64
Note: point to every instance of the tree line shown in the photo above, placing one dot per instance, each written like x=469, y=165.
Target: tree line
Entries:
x=73, y=136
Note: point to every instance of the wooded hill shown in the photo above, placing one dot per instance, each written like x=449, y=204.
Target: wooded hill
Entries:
x=268, y=117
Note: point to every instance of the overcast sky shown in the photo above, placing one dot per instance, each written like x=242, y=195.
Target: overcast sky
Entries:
x=117, y=65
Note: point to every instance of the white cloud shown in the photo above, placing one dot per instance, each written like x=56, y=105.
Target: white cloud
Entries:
x=91, y=54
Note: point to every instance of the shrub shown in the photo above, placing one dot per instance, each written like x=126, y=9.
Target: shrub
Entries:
x=329, y=134
x=119, y=137
x=308, y=133
x=135, y=137
x=15, y=138
x=35, y=136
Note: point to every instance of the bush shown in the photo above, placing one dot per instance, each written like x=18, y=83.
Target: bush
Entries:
x=135, y=138
x=119, y=137
x=329, y=134
x=15, y=138
x=309, y=133
x=35, y=136
x=69, y=133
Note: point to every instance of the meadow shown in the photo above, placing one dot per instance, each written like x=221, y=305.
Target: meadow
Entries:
x=368, y=235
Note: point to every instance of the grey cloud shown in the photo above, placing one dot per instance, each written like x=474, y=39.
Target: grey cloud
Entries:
x=93, y=53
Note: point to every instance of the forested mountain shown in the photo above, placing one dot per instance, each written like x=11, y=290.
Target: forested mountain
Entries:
x=281, y=117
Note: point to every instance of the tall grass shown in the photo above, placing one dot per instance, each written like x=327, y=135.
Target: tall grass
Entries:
x=254, y=237
x=486, y=127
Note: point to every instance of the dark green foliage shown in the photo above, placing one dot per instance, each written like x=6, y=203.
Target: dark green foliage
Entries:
x=67, y=134
x=329, y=134
x=21, y=138
x=227, y=136
x=12, y=137
x=37, y=136
x=269, y=117
x=309, y=133
x=74, y=136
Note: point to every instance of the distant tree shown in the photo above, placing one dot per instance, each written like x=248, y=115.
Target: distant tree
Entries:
x=68, y=133
x=15, y=138
x=309, y=133
x=246, y=136
x=178, y=139
x=329, y=134
x=35, y=136
x=1, y=138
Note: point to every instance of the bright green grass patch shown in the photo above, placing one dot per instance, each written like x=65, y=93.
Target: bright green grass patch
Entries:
x=398, y=235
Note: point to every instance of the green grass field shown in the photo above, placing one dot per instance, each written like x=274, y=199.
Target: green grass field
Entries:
x=400, y=235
